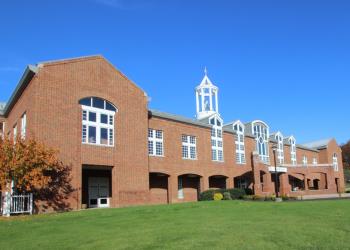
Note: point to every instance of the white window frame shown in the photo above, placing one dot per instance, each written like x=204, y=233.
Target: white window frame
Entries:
x=217, y=144
x=98, y=125
x=15, y=133
x=314, y=161
x=280, y=150
x=293, y=151
x=154, y=139
x=189, y=142
x=261, y=133
x=304, y=160
x=239, y=143
x=23, y=125
x=2, y=131
x=335, y=162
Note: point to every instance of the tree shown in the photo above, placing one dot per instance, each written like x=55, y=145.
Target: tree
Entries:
x=346, y=154
x=36, y=169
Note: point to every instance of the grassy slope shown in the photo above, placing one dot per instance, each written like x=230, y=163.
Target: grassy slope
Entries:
x=202, y=225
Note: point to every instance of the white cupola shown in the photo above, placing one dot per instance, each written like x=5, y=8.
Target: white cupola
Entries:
x=206, y=98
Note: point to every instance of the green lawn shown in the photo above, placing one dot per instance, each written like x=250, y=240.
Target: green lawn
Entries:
x=202, y=225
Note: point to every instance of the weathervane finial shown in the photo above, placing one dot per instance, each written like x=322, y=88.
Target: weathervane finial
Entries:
x=205, y=71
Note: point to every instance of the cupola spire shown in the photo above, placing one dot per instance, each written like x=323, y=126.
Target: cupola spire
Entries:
x=206, y=97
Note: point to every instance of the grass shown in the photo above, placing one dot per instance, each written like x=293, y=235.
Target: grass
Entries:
x=202, y=225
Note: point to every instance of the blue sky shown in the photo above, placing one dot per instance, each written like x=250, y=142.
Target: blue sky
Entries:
x=284, y=62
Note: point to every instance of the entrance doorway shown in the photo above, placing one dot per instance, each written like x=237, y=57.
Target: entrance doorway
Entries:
x=96, y=186
x=98, y=191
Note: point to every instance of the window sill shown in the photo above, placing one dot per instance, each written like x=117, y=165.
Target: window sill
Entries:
x=98, y=145
x=189, y=159
x=157, y=155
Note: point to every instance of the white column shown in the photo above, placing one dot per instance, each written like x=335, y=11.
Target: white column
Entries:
x=211, y=98
x=6, y=204
x=202, y=97
x=216, y=102
x=197, y=102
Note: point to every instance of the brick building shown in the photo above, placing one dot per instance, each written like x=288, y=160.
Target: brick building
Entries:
x=122, y=153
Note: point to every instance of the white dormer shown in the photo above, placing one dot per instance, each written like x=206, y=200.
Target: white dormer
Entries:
x=206, y=98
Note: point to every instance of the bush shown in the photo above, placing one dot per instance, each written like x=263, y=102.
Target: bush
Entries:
x=207, y=195
x=285, y=197
x=237, y=193
x=218, y=196
x=227, y=196
x=258, y=198
x=248, y=191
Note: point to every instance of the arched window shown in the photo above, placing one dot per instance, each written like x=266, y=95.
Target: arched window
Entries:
x=97, y=121
x=280, y=152
x=335, y=162
x=217, y=153
x=239, y=141
x=261, y=133
x=293, y=150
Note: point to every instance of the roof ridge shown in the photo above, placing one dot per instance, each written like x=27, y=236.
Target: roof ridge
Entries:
x=70, y=60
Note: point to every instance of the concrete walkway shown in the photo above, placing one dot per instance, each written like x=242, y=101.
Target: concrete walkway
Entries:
x=325, y=196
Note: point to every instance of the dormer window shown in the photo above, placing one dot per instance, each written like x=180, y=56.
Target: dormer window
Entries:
x=335, y=162
x=216, y=140
x=293, y=150
x=261, y=133
x=238, y=127
x=97, y=121
x=280, y=151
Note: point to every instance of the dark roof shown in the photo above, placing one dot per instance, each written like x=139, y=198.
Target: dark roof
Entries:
x=320, y=144
x=27, y=76
x=178, y=118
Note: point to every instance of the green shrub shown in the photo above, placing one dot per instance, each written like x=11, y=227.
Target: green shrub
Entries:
x=285, y=197
x=218, y=196
x=236, y=193
x=248, y=197
x=258, y=198
x=227, y=196
x=248, y=191
x=207, y=195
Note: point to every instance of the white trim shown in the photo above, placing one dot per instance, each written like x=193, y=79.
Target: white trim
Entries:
x=155, y=140
x=187, y=145
x=98, y=125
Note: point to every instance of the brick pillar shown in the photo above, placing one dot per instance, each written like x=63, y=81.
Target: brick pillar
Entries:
x=331, y=180
x=204, y=183
x=256, y=173
x=229, y=182
x=306, y=185
x=284, y=185
x=172, y=188
x=268, y=183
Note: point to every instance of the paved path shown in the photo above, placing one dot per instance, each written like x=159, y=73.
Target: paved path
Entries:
x=325, y=196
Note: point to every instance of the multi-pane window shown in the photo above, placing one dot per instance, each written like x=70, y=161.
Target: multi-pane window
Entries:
x=239, y=142
x=97, y=121
x=23, y=125
x=314, y=161
x=155, y=142
x=280, y=152
x=304, y=160
x=335, y=162
x=261, y=134
x=216, y=140
x=15, y=132
x=189, y=147
x=293, y=151
x=2, y=129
